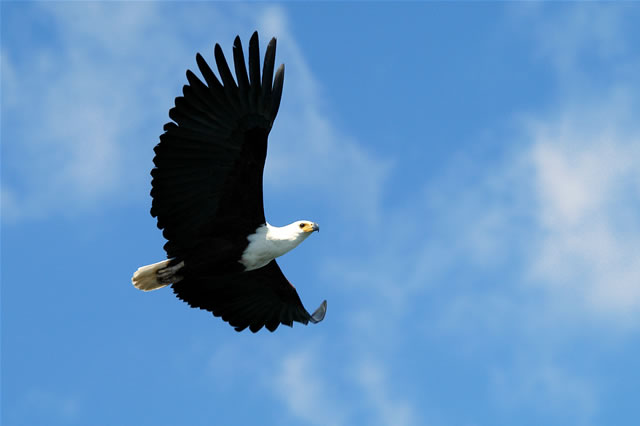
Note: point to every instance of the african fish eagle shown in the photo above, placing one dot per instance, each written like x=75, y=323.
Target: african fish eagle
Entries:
x=207, y=198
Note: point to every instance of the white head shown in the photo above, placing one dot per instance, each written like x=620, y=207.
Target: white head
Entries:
x=294, y=232
x=271, y=241
x=302, y=228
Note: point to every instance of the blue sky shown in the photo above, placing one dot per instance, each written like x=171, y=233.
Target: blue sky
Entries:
x=473, y=169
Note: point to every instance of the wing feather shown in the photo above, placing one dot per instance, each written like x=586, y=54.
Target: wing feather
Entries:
x=267, y=74
x=277, y=90
x=241, y=70
x=254, y=70
x=210, y=159
x=254, y=299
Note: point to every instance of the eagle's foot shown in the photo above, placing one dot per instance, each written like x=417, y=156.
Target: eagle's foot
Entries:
x=168, y=275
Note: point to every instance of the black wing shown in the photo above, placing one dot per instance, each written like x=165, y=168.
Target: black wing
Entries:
x=259, y=298
x=209, y=162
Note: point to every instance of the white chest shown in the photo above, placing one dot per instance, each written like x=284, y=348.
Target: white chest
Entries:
x=266, y=244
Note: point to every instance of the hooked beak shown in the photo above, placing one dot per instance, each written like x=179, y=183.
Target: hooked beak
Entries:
x=309, y=227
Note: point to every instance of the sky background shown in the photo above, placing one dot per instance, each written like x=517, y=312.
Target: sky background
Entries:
x=473, y=169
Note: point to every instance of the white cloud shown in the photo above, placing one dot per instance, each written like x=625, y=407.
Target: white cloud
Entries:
x=72, y=109
x=94, y=94
x=559, y=216
x=49, y=404
x=558, y=213
x=308, y=396
x=386, y=409
x=294, y=378
x=566, y=203
x=545, y=387
x=588, y=192
x=307, y=150
x=565, y=37
x=315, y=399
x=533, y=247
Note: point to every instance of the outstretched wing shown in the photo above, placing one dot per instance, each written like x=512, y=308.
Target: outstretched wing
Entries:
x=209, y=162
x=259, y=298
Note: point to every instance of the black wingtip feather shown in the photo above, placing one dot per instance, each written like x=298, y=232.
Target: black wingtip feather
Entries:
x=207, y=73
x=277, y=91
x=240, y=67
x=223, y=69
x=254, y=62
x=267, y=70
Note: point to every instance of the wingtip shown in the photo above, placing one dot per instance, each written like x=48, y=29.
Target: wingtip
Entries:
x=201, y=61
x=217, y=52
x=271, y=46
x=318, y=314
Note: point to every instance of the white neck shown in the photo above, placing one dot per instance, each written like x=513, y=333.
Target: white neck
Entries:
x=285, y=238
x=270, y=242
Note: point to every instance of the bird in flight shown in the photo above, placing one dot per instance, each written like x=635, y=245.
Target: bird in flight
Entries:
x=207, y=198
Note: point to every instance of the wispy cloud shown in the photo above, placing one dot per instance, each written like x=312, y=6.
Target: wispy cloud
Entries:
x=308, y=150
x=556, y=213
x=315, y=398
x=571, y=36
x=308, y=396
x=547, y=389
x=527, y=246
x=94, y=94
x=503, y=247
x=385, y=408
x=582, y=150
x=588, y=192
x=47, y=404
x=73, y=110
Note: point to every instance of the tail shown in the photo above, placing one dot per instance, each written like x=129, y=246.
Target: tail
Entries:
x=146, y=277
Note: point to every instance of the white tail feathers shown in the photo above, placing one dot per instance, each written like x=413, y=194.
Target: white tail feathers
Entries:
x=146, y=277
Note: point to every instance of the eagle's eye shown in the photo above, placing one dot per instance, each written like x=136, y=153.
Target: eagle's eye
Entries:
x=302, y=225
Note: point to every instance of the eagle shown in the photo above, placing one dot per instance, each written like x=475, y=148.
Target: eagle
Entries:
x=207, y=198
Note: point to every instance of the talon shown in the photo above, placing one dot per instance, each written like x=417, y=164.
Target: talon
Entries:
x=167, y=275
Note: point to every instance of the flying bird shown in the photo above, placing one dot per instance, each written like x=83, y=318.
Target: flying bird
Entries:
x=207, y=198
